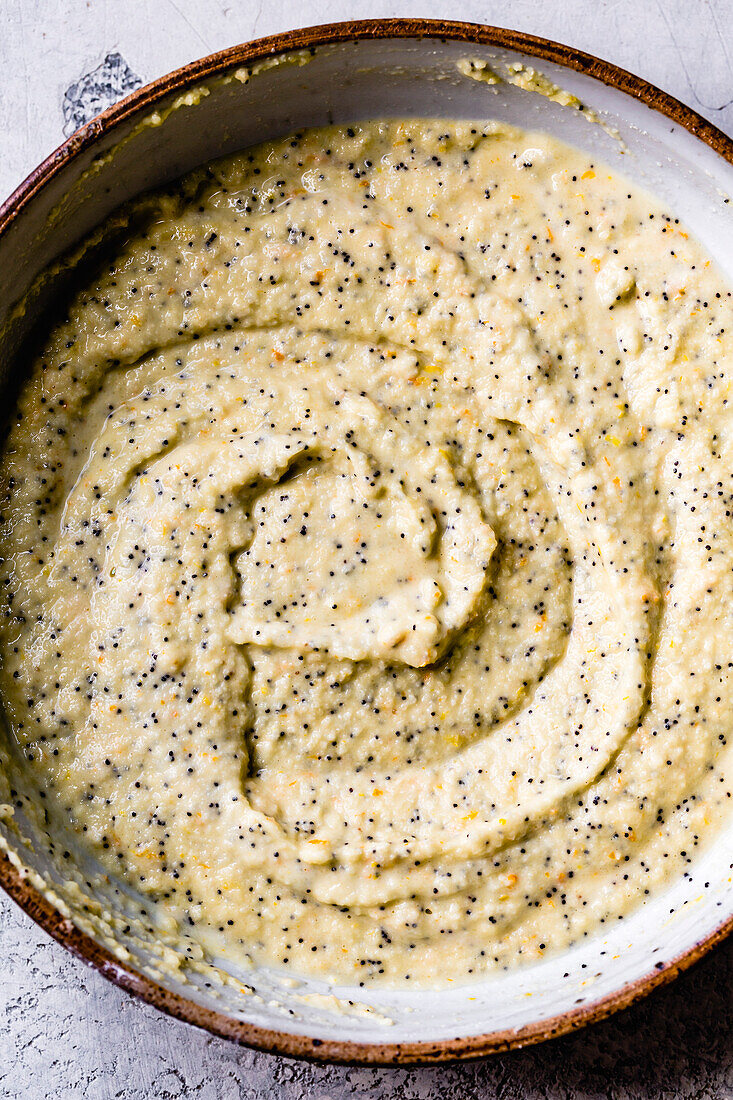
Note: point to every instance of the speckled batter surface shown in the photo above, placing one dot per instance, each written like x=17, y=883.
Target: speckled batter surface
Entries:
x=367, y=536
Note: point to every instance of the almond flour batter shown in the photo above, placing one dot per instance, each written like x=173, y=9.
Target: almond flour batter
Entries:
x=368, y=558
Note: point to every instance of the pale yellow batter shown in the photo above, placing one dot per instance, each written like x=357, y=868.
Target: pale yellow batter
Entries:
x=368, y=552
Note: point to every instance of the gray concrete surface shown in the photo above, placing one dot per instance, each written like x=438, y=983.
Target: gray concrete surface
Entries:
x=65, y=1032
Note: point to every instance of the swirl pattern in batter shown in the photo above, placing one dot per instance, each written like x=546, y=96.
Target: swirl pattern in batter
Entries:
x=368, y=556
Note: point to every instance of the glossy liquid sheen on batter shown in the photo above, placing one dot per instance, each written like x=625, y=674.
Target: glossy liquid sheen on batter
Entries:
x=368, y=552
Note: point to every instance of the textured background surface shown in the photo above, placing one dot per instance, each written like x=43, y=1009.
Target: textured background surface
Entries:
x=64, y=1031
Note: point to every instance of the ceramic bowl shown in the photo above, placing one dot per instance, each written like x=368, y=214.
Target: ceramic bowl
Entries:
x=222, y=103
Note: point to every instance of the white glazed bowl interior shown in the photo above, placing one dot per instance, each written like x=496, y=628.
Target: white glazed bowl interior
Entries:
x=344, y=82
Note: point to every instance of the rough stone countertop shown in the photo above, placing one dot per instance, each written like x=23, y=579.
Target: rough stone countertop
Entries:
x=64, y=1031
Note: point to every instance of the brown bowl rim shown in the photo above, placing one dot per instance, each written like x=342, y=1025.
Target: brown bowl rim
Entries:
x=13, y=880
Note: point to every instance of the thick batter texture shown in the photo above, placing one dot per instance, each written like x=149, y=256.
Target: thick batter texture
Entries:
x=368, y=557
